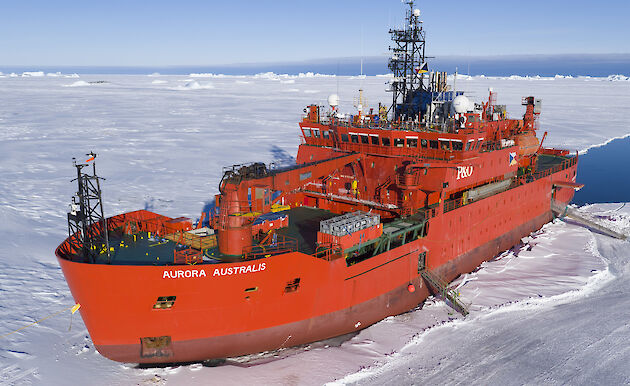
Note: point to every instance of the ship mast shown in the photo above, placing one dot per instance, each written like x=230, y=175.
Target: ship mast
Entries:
x=408, y=63
x=87, y=226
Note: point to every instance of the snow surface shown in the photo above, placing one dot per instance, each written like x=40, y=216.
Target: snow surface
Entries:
x=553, y=310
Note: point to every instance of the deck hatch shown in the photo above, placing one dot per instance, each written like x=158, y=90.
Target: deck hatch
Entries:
x=156, y=346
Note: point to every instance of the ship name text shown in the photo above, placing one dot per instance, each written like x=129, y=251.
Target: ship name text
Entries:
x=239, y=270
x=190, y=273
x=180, y=273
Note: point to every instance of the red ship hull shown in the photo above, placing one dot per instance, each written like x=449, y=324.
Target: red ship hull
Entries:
x=222, y=313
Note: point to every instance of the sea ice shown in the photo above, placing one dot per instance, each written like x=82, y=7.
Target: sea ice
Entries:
x=535, y=312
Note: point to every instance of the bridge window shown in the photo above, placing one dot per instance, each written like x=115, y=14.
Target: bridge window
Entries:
x=315, y=133
x=445, y=145
x=344, y=137
x=374, y=139
x=354, y=138
x=307, y=133
x=458, y=146
x=385, y=141
x=433, y=144
x=364, y=139
x=412, y=142
x=326, y=134
x=423, y=143
x=469, y=144
x=399, y=142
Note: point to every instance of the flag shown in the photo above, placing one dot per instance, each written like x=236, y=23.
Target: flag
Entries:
x=76, y=306
x=90, y=159
x=513, y=160
x=422, y=69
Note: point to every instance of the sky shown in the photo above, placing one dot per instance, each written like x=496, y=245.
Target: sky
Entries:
x=191, y=32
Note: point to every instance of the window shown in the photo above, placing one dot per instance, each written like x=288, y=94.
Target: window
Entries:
x=433, y=144
x=326, y=134
x=458, y=146
x=469, y=145
x=354, y=138
x=412, y=142
x=307, y=133
x=164, y=302
x=385, y=141
x=374, y=139
x=315, y=133
x=364, y=139
x=399, y=142
x=292, y=285
x=445, y=145
x=423, y=143
x=344, y=137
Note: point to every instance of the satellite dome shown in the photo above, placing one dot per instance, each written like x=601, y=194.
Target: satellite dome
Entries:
x=461, y=104
x=416, y=12
x=333, y=100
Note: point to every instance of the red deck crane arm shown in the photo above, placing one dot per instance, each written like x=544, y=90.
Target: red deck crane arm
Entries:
x=246, y=193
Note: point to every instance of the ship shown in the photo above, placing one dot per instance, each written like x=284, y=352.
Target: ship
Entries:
x=382, y=209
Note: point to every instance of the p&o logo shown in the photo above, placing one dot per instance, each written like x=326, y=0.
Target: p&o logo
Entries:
x=464, y=171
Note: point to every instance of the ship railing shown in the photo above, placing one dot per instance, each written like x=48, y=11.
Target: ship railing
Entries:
x=279, y=244
x=450, y=205
x=418, y=152
x=142, y=221
x=489, y=146
x=188, y=256
x=327, y=251
x=567, y=163
x=428, y=213
x=192, y=240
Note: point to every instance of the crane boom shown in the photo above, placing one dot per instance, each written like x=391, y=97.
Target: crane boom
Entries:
x=246, y=193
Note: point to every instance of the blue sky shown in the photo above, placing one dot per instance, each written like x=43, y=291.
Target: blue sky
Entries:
x=221, y=32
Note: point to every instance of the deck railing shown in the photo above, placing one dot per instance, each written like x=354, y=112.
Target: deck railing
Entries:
x=279, y=244
x=450, y=205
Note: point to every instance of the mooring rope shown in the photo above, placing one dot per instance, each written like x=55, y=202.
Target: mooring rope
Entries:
x=73, y=309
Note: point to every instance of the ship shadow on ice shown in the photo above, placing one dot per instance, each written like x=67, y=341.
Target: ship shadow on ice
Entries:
x=280, y=157
x=209, y=207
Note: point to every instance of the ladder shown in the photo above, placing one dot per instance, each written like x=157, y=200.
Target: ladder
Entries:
x=440, y=287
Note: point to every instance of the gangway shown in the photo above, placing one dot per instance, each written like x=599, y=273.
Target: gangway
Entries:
x=562, y=210
x=440, y=287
